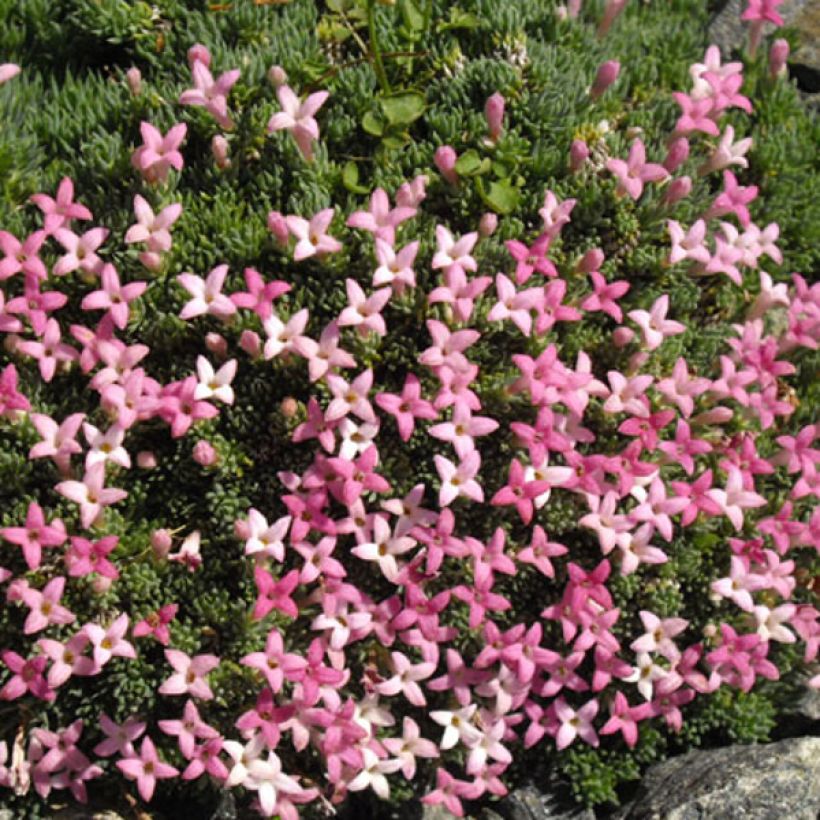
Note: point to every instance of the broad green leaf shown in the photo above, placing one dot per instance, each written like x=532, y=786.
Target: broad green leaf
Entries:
x=403, y=108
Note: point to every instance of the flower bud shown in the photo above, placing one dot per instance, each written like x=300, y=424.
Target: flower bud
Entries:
x=573, y=8
x=242, y=529
x=250, y=342
x=445, y=160
x=220, y=149
x=199, y=54
x=677, y=154
x=678, y=189
x=289, y=407
x=134, y=79
x=578, y=155
x=101, y=584
x=778, y=54
x=217, y=344
x=717, y=415
x=606, y=76
x=278, y=227
x=637, y=361
x=591, y=260
x=611, y=11
x=412, y=194
x=151, y=259
x=622, y=336
x=494, y=112
x=161, y=542
x=277, y=75
x=488, y=224
x=146, y=460
x=204, y=453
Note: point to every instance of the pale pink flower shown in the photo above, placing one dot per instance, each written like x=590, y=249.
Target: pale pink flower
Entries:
x=312, y=237
x=189, y=674
x=298, y=118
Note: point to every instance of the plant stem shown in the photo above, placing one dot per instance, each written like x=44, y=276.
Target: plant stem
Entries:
x=375, y=51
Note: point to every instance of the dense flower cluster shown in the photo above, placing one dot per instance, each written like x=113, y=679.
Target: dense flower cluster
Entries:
x=645, y=451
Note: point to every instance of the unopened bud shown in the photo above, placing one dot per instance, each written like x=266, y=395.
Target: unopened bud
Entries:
x=494, y=112
x=611, y=11
x=278, y=227
x=146, y=460
x=778, y=54
x=134, y=79
x=220, y=149
x=606, y=76
x=250, y=342
x=101, y=584
x=217, y=344
x=678, y=189
x=199, y=54
x=242, y=529
x=622, y=336
x=289, y=407
x=161, y=543
x=445, y=160
x=204, y=453
x=591, y=261
x=677, y=154
x=573, y=8
x=578, y=155
x=277, y=75
x=488, y=224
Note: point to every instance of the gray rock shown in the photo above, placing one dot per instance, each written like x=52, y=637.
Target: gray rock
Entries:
x=773, y=781
x=529, y=803
x=730, y=33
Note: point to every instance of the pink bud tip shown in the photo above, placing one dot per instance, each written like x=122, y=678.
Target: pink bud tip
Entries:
x=277, y=75
x=607, y=74
x=678, y=189
x=199, y=54
x=445, y=160
x=488, y=224
x=622, y=336
x=578, y=155
x=217, y=344
x=146, y=460
x=278, y=227
x=204, y=453
x=591, y=261
x=134, y=79
x=677, y=154
x=219, y=148
x=289, y=407
x=242, y=529
x=161, y=543
x=494, y=112
x=250, y=342
x=778, y=54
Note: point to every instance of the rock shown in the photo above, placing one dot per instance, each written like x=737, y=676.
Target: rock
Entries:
x=772, y=781
x=730, y=33
x=528, y=803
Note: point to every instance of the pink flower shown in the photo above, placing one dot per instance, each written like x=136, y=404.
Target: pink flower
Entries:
x=735, y=498
x=153, y=230
x=67, y=659
x=45, y=606
x=407, y=407
x=7, y=71
x=158, y=154
x=118, y=737
x=90, y=494
x=364, y=312
x=260, y=295
x=22, y=256
x=605, y=295
x=50, y=351
x=459, y=480
x=189, y=674
x=27, y=676
x=312, y=237
x=113, y=296
x=209, y=93
x=35, y=535
x=207, y=294
x=146, y=769
x=188, y=730
x=452, y=254
x=298, y=118
x=636, y=171
x=395, y=268
x=654, y=325
x=381, y=220
x=156, y=624
x=462, y=428
x=62, y=209
x=275, y=594
x=574, y=723
x=109, y=642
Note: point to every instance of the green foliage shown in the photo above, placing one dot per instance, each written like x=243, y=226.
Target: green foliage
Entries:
x=71, y=113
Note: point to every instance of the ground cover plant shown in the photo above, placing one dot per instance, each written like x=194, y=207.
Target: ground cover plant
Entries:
x=398, y=399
